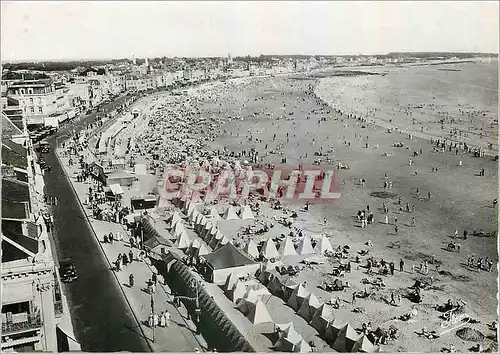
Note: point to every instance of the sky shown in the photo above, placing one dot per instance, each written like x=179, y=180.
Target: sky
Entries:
x=113, y=29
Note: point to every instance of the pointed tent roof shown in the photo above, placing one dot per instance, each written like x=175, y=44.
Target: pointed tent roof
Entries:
x=287, y=248
x=184, y=241
x=346, y=339
x=246, y=213
x=179, y=228
x=309, y=307
x=193, y=214
x=196, y=243
x=176, y=217
x=291, y=334
x=227, y=256
x=269, y=249
x=230, y=282
x=230, y=213
x=302, y=347
x=214, y=240
x=255, y=311
x=332, y=330
x=305, y=246
x=324, y=245
x=322, y=317
x=223, y=241
x=251, y=249
x=299, y=294
x=237, y=292
x=284, y=345
x=363, y=345
x=214, y=214
x=203, y=250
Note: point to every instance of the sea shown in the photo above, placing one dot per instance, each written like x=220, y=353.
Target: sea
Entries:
x=426, y=100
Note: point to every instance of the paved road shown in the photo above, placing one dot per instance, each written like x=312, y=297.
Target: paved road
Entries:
x=102, y=319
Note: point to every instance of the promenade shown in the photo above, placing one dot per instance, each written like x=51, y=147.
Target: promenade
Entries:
x=181, y=334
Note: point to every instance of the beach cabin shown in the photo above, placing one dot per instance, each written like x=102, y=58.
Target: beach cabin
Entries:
x=226, y=260
x=121, y=177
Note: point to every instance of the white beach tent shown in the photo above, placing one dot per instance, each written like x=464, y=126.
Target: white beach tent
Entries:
x=214, y=215
x=269, y=249
x=206, y=230
x=224, y=240
x=346, y=339
x=246, y=213
x=176, y=217
x=302, y=347
x=287, y=248
x=179, y=229
x=193, y=214
x=203, y=250
x=230, y=282
x=321, y=318
x=212, y=239
x=324, y=245
x=215, y=239
x=251, y=249
x=332, y=330
x=230, y=213
x=284, y=345
x=363, y=345
x=305, y=246
x=201, y=225
x=255, y=311
x=237, y=292
x=309, y=306
x=184, y=241
x=299, y=294
x=207, y=236
x=288, y=338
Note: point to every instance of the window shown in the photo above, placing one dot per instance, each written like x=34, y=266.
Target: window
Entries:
x=32, y=109
x=21, y=91
x=39, y=100
x=31, y=100
x=30, y=91
x=40, y=110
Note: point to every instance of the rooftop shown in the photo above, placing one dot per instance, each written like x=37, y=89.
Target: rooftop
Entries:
x=227, y=256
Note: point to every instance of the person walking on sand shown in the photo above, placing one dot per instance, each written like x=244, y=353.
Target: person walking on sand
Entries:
x=167, y=319
x=429, y=195
x=455, y=235
x=353, y=297
x=386, y=219
x=393, y=300
x=401, y=265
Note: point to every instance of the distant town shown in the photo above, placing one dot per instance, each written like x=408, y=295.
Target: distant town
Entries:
x=51, y=92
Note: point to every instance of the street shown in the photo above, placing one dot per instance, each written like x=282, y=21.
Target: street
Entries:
x=101, y=317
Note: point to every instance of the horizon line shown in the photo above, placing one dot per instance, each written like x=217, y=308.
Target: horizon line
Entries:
x=19, y=61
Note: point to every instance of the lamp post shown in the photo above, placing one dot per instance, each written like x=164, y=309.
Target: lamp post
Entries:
x=153, y=311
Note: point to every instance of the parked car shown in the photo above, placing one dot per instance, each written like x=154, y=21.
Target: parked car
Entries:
x=67, y=271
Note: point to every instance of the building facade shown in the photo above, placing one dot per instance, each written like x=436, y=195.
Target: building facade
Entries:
x=35, y=316
x=41, y=99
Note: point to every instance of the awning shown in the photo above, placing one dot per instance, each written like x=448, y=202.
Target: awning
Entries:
x=65, y=326
x=116, y=189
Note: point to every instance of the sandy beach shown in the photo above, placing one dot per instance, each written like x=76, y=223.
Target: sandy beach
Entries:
x=281, y=117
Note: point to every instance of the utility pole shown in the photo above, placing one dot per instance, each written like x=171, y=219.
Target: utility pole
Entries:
x=153, y=311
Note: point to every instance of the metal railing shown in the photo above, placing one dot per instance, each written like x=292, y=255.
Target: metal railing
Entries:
x=33, y=321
